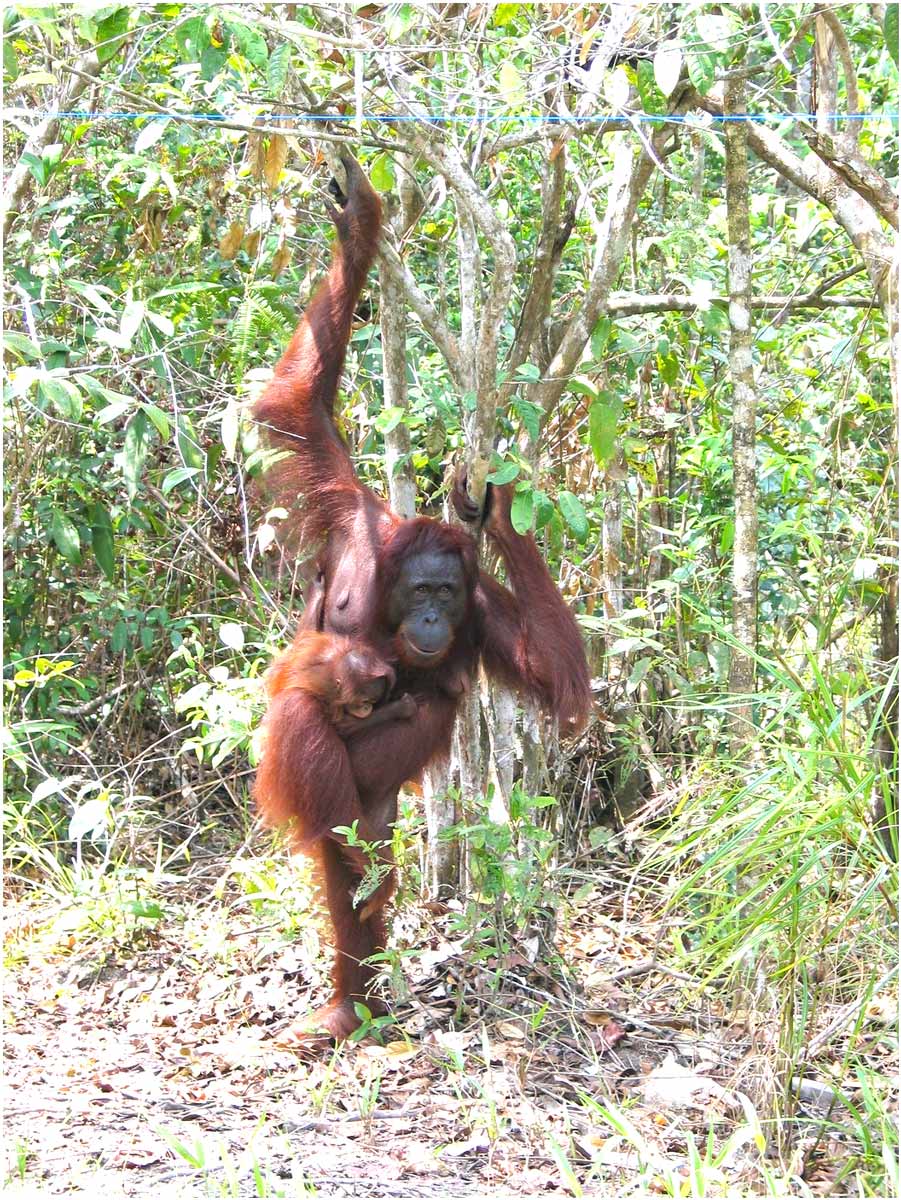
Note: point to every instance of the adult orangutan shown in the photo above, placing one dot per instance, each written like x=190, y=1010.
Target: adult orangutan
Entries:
x=411, y=591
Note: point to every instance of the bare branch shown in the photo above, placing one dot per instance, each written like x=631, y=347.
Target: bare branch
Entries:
x=20, y=179
x=432, y=321
x=847, y=161
x=630, y=177
x=201, y=541
x=627, y=304
x=841, y=40
x=552, y=239
x=852, y=212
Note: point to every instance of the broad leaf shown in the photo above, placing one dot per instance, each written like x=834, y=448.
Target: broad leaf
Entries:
x=505, y=473
x=65, y=535
x=602, y=421
x=134, y=452
x=522, y=510
x=102, y=542
x=574, y=515
x=668, y=66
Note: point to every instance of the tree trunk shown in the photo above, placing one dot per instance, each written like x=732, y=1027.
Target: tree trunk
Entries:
x=744, y=406
x=393, y=322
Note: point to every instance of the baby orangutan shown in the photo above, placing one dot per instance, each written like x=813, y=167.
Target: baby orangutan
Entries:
x=346, y=677
x=330, y=687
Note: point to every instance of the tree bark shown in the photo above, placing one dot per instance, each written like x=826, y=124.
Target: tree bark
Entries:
x=744, y=411
x=393, y=323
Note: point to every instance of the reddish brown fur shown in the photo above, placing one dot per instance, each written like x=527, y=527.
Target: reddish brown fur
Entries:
x=527, y=637
x=342, y=674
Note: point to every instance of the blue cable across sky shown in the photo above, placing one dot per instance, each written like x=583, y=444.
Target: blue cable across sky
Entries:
x=458, y=119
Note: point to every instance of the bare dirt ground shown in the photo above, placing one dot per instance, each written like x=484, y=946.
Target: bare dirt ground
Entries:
x=142, y=1055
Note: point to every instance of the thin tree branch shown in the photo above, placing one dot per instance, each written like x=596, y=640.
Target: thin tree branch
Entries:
x=20, y=179
x=628, y=304
x=844, y=50
x=432, y=321
x=552, y=238
x=853, y=213
x=847, y=161
x=201, y=541
x=630, y=177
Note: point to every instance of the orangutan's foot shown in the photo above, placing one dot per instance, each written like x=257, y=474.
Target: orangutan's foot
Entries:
x=322, y=1028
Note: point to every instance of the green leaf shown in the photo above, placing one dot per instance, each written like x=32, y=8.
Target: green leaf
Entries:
x=65, y=535
x=188, y=446
x=603, y=416
x=389, y=418
x=191, y=37
x=527, y=371
x=651, y=100
x=600, y=336
x=110, y=33
x=150, y=134
x=505, y=473
x=531, y=415
x=149, y=910
x=21, y=345
x=399, y=18
x=36, y=166
x=701, y=65
x=64, y=396
x=158, y=417
x=668, y=365
x=162, y=323
x=503, y=14
x=251, y=44
x=179, y=475
x=512, y=88
x=102, y=542
x=277, y=69
x=544, y=509
x=111, y=337
x=134, y=452
x=91, y=294
x=112, y=412
x=132, y=319
x=582, y=386
x=10, y=62
x=522, y=510
x=119, y=637
x=212, y=60
x=574, y=515
x=381, y=173
x=890, y=28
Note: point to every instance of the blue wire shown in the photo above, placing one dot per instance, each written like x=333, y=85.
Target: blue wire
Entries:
x=445, y=119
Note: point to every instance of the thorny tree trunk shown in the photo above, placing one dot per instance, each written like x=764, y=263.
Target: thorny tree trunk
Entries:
x=744, y=553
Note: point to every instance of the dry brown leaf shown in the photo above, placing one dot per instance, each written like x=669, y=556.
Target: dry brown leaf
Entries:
x=511, y=1030
x=673, y=1086
x=252, y=243
x=230, y=242
x=256, y=154
x=276, y=156
x=280, y=259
